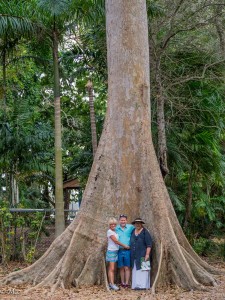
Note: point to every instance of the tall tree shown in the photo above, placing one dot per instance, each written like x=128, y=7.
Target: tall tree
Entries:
x=59, y=202
x=170, y=28
x=125, y=176
x=54, y=22
x=89, y=87
x=57, y=16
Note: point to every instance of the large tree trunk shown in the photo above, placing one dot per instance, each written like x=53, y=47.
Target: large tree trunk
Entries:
x=59, y=203
x=125, y=177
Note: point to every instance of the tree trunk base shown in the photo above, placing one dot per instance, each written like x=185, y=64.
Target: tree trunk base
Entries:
x=175, y=265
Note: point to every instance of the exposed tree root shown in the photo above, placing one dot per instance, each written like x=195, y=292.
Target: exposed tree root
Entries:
x=88, y=268
x=182, y=272
x=159, y=269
x=72, y=265
x=104, y=277
x=200, y=261
x=42, y=267
x=91, y=273
x=199, y=272
x=51, y=280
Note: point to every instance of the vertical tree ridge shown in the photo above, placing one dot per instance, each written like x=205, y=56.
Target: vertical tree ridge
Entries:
x=125, y=177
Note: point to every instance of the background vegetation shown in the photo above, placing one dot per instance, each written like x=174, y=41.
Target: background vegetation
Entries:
x=187, y=53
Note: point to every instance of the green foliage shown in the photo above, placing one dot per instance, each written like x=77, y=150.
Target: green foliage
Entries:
x=195, y=138
x=26, y=130
x=19, y=234
x=77, y=154
x=17, y=18
x=192, y=82
x=209, y=247
x=5, y=233
x=54, y=7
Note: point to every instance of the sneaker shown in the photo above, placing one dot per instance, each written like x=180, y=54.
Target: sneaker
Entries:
x=113, y=287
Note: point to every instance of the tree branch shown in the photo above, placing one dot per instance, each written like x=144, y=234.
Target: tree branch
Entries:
x=197, y=77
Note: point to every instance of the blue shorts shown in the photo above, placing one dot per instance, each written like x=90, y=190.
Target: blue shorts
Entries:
x=111, y=256
x=124, y=258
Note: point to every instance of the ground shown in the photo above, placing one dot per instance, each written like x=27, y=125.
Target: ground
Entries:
x=96, y=292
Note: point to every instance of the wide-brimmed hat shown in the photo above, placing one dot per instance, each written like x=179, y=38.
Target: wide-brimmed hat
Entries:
x=138, y=220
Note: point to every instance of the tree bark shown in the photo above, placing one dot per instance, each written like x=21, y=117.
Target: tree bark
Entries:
x=14, y=191
x=59, y=203
x=218, y=20
x=89, y=87
x=125, y=177
x=66, y=203
x=4, y=80
x=189, y=202
x=161, y=125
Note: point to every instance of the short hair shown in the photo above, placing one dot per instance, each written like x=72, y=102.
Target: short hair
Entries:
x=123, y=216
x=112, y=221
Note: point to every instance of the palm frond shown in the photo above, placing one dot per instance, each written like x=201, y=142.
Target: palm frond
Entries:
x=55, y=7
x=16, y=18
x=15, y=24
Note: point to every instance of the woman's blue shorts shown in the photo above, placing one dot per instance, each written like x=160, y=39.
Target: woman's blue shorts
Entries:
x=111, y=256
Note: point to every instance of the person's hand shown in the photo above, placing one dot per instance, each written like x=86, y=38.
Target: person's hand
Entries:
x=146, y=257
x=127, y=247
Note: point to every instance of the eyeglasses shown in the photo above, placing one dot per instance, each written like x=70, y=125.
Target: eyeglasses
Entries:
x=123, y=216
x=113, y=224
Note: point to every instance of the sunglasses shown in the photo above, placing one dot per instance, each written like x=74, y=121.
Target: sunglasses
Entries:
x=123, y=216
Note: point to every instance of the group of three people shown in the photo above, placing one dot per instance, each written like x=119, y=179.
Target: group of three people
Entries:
x=129, y=245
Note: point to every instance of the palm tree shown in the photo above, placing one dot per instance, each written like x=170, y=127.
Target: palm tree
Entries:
x=51, y=15
x=54, y=17
x=57, y=17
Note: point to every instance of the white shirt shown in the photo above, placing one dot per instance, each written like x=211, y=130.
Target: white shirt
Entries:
x=111, y=245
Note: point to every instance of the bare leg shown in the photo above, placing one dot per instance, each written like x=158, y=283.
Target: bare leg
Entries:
x=111, y=272
x=127, y=275
x=122, y=275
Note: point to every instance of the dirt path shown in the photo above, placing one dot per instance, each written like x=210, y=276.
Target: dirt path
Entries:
x=96, y=292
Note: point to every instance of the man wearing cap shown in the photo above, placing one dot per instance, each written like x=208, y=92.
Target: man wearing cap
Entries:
x=124, y=232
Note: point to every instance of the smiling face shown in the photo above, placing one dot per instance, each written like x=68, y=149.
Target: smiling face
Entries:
x=112, y=226
x=123, y=221
x=138, y=225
